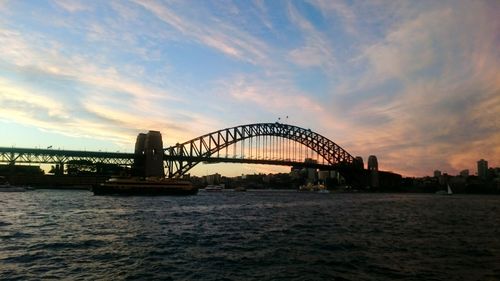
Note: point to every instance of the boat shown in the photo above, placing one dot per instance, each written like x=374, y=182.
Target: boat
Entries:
x=313, y=187
x=146, y=186
x=450, y=192
x=214, y=187
x=445, y=192
x=5, y=186
x=240, y=188
x=323, y=191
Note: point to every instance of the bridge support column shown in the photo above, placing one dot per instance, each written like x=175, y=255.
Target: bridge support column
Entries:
x=373, y=168
x=59, y=169
x=12, y=169
x=148, y=155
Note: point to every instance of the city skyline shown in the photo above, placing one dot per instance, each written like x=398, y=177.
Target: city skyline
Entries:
x=415, y=83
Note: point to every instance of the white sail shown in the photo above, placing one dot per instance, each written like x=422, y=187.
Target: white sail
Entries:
x=449, y=190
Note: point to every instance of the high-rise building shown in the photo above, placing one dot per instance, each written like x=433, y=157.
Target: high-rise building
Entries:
x=437, y=173
x=482, y=169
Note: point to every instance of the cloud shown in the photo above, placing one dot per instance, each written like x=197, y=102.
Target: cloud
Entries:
x=416, y=83
x=263, y=14
x=261, y=99
x=213, y=33
x=442, y=111
x=102, y=98
x=48, y=58
x=35, y=108
x=72, y=6
x=334, y=9
x=317, y=51
x=13, y=98
x=250, y=90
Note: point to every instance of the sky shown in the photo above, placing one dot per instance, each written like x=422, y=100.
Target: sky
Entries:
x=416, y=83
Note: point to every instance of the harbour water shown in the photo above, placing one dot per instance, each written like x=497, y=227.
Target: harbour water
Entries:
x=255, y=235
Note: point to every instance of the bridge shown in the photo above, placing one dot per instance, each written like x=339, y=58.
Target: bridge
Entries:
x=261, y=143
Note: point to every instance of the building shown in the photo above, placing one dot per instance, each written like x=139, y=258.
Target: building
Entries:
x=437, y=173
x=212, y=179
x=323, y=175
x=464, y=173
x=482, y=169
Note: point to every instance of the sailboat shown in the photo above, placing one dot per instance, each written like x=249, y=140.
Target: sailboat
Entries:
x=445, y=192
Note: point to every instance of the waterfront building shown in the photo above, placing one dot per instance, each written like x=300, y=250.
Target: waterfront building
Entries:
x=323, y=175
x=213, y=179
x=295, y=173
x=464, y=173
x=482, y=169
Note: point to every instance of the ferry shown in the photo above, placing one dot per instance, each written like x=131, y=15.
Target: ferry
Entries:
x=147, y=186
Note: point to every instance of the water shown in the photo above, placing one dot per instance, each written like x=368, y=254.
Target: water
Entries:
x=258, y=235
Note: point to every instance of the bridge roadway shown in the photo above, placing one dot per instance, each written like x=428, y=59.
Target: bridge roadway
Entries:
x=9, y=155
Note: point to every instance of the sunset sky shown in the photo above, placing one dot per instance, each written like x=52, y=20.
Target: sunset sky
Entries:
x=416, y=83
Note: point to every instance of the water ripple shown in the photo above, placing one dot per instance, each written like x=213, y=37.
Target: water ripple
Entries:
x=249, y=236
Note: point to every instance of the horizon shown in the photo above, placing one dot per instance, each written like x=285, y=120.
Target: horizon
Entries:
x=415, y=83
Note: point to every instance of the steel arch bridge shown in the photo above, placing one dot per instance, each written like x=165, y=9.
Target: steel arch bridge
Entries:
x=272, y=143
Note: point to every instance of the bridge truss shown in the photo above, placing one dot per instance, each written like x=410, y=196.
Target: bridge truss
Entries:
x=11, y=155
x=262, y=143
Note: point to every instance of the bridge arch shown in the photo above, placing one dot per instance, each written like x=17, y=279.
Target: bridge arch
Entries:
x=180, y=158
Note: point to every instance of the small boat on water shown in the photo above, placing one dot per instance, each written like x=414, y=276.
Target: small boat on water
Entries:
x=147, y=186
x=240, y=189
x=6, y=187
x=445, y=192
x=214, y=187
x=319, y=188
